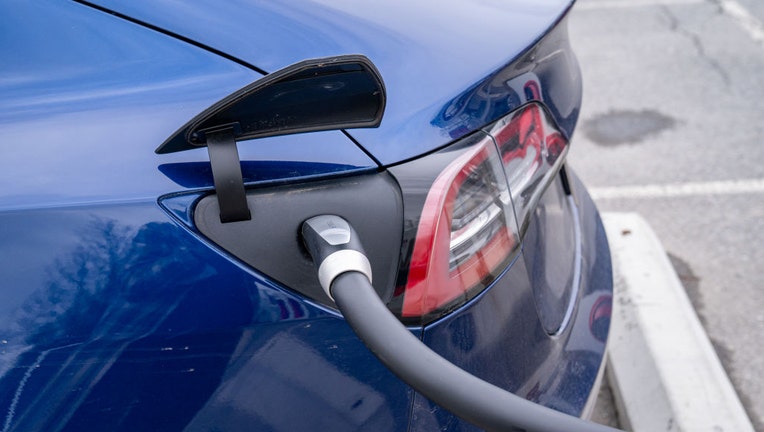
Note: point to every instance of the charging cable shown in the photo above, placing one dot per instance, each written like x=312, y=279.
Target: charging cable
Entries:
x=345, y=275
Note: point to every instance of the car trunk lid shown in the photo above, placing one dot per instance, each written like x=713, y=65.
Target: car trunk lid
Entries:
x=426, y=68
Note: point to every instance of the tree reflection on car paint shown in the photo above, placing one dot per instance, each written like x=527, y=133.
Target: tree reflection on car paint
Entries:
x=137, y=308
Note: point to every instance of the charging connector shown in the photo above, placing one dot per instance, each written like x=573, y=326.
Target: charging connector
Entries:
x=335, y=248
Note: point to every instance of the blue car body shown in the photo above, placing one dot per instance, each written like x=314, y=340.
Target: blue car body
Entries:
x=117, y=313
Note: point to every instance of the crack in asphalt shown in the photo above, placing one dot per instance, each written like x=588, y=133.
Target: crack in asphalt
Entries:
x=694, y=38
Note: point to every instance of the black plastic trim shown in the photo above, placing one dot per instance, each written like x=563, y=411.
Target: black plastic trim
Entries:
x=565, y=180
x=192, y=134
x=270, y=241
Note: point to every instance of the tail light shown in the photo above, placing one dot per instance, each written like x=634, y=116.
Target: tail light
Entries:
x=461, y=228
x=466, y=231
x=532, y=152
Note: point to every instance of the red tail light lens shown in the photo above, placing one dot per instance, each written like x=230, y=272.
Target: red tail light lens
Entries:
x=461, y=231
x=465, y=233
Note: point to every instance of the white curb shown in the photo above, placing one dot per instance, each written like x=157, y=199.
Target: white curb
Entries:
x=664, y=373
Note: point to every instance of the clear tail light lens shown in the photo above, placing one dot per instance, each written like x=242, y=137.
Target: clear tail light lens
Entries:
x=460, y=228
x=532, y=152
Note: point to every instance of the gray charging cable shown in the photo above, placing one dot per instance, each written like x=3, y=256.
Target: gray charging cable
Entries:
x=345, y=275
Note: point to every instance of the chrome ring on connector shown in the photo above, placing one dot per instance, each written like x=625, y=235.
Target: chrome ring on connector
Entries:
x=340, y=262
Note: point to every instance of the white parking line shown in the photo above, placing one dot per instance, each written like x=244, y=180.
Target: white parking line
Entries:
x=729, y=187
x=748, y=22
x=617, y=4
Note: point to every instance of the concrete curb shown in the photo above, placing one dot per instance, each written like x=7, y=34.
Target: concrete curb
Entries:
x=663, y=371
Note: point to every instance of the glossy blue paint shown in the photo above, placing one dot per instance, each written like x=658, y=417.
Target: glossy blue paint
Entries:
x=436, y=61
x=88, y=97
x=114, y=318
x=552, y=252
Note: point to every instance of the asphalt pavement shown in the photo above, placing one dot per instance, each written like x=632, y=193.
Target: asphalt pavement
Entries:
x=672, y=127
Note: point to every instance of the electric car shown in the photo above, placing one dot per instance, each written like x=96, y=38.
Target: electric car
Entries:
x=162, y=163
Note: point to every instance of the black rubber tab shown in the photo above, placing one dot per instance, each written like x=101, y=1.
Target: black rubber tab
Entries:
x=226, y=172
